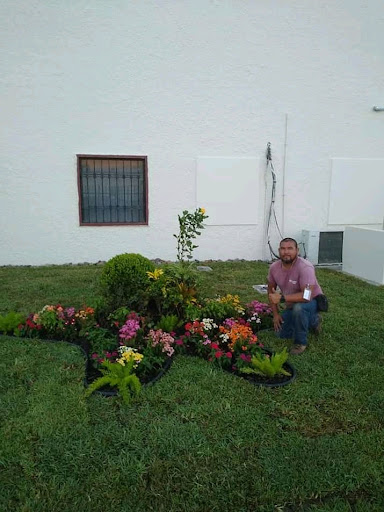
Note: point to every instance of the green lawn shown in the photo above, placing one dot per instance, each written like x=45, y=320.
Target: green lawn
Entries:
x=199, y=439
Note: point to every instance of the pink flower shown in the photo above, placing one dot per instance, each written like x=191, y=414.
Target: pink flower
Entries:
x=94, y=355
x=229, y=355
x=179, y=342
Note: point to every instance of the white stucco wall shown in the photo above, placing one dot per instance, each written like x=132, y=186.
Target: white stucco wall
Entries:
x=178, y=81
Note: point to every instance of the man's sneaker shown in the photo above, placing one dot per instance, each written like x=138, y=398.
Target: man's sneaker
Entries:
x=317, y=329
x=297, y=349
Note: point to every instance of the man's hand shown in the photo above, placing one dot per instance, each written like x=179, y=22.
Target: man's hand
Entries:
x=277, y=321
x=274, y=297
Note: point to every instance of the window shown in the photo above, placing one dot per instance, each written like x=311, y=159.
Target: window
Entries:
x=112, y=189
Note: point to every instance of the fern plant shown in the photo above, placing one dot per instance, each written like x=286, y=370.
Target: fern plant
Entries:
x=168, y=323
x=268, y=366
x=120, y=376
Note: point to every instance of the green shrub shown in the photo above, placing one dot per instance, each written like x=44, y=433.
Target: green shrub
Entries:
x=124, y=280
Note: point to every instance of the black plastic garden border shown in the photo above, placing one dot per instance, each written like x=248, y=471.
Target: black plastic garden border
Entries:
x=168, y=364
x=165, y=368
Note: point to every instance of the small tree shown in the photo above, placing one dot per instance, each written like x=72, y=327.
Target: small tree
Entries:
x=190, y=225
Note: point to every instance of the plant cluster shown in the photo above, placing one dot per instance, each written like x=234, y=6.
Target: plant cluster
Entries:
x=147, y=314
x=55, y=321
x=259, y=315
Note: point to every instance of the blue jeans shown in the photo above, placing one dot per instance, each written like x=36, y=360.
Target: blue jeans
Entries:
x=298, y=320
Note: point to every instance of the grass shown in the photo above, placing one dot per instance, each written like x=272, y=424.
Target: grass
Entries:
x=199, y=439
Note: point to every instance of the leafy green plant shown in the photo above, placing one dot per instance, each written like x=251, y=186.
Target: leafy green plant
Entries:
x=168, y=323
x=100, y=339
x=120, y=376
x=9, y=323
x=268, y=366
x=124, y=280
x=218, y=310
x=119, y=316
x=172, y=288
x=189, y=226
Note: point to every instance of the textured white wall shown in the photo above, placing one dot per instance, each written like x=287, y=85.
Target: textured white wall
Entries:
x=175, y=80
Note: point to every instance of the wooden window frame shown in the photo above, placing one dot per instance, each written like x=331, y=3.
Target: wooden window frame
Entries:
x=144, y=159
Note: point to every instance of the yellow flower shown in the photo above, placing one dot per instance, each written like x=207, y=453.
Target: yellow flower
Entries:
x=202, y=210
x=155, y=274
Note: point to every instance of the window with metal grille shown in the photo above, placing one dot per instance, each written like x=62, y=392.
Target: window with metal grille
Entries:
x=112, y=189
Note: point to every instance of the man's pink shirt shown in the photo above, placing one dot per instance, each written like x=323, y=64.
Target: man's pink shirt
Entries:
x=294, y=279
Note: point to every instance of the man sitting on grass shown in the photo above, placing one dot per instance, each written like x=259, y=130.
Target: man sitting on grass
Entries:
x=298, y=285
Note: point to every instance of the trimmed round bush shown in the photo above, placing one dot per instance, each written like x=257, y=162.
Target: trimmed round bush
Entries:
x=124, y=280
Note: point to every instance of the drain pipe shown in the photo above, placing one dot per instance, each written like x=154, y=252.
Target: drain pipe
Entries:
x=283, y=176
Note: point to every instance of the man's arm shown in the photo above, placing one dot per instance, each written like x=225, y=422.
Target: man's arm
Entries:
x=273, y=296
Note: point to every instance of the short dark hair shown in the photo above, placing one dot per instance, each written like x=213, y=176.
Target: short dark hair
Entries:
x=288, y=239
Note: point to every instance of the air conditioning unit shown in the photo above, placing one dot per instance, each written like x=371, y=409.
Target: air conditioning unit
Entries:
x=322, y=247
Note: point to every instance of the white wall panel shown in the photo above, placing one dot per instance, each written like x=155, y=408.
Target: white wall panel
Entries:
x=356, y=191
x=363, y=251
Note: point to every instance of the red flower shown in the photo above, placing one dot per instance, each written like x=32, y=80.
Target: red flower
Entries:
x=229, y=355
x=214, y=346
x=188, y=326
x=218, y=354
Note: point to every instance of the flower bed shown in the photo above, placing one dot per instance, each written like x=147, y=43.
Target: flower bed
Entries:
x=126, y=349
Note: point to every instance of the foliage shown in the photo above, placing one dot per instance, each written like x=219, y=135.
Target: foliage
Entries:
x=268, y=365
x=100, y=340
x=171, y=289
x=124, y=279
x=168, y=323
x=221, y=308
x=189, y=226
x=119, y=316
x=10, y=323
x=119, y=374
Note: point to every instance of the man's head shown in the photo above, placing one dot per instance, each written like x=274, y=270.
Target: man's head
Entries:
x=288, y=250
